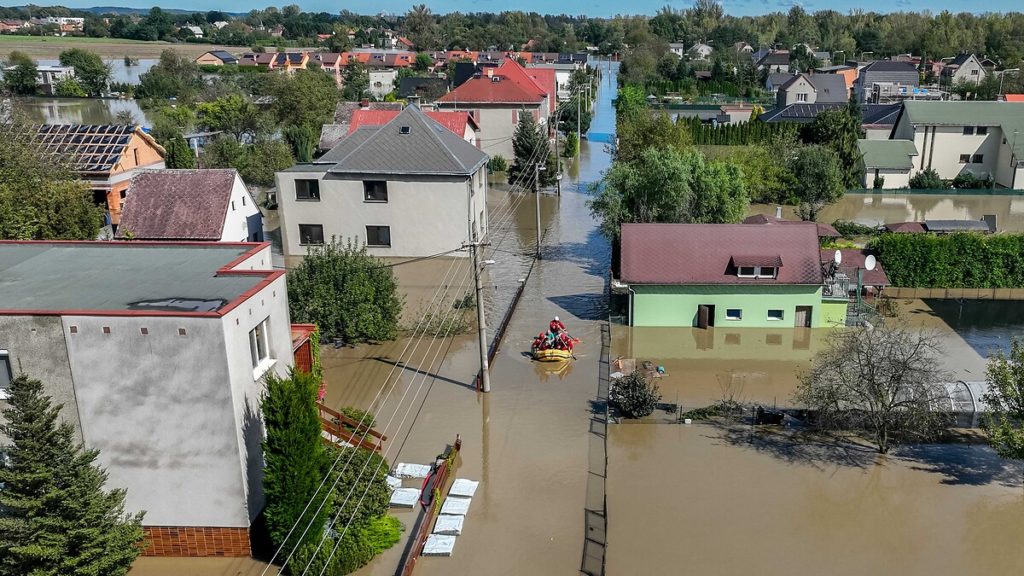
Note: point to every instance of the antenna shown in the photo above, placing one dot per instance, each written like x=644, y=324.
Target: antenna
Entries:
x=838, y=257
x=869, y=262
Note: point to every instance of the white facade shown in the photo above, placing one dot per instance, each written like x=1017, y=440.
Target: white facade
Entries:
x=497, y=124
x=382, y=82
x=893, y=179
x=424, y=214
x=243, y=221
x=951, y=150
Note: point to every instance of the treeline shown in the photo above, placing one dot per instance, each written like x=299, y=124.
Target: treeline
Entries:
x=747, y=133
x=965, y=260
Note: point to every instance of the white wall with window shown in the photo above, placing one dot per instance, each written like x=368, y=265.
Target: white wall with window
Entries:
x=6, y=374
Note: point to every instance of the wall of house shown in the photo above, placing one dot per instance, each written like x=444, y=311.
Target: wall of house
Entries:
x=833, y=313
x=35, y=345
x=209, y=59
x=427, y=215
x=246, y=383
x=382, y=82
x=497, y=124
x=677, y=305
x=879, y=133
x=243, y=221
x=791, y=95
x=159, y=408
x=970, y=71
x=942, y=152
x=893, y=178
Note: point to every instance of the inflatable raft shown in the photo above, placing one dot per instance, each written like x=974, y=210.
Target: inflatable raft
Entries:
x=552, y=355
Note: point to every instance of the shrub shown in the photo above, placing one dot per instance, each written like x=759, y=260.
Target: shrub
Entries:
x=849, y=229
x=364, y=416
x=963, y=260
x=497, y=163
x=878, y=183
x=966, y=181
x=633, y=397
x=69, y=88
x=927, y=180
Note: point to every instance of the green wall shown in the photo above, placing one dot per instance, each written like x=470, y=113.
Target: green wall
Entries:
x=677, y=305
x=833, y=313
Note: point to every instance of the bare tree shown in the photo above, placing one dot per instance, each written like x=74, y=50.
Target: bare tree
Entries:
x=884, y=381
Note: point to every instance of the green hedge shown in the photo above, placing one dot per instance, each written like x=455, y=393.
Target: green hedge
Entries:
x=744, y=134
x=964, y=260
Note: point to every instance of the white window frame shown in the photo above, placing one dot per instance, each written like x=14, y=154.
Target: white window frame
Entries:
x=259, y=349
x=781, y=315
x=758, y=271
x=801, y=97
x=6, y=372
x=734, y=317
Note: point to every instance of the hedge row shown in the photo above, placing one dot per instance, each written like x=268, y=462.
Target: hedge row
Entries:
x=753, y=132
x=964, y=260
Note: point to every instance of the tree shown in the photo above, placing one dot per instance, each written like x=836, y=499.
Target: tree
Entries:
x=818, y=180
x=927, y=180
x=839, y=129
x=174, y=76
x=40, y=197
x=1005, y=399
x=256, y=163
x=179, y=154
x=21, y=79
x=423, y=62
x=567, y=114
x=126, y=118
x=69, y=88
x=667, y=185
x=296, y=461
x=233, y=114
x=303, y=140
x=346, y=292
x=633, y=396
x=303, y=98
x=355, y=81
x=532, y=160
x=884, y=381
x=55, y=516
x=648, y=130
x=420, y=27
x=90, y=70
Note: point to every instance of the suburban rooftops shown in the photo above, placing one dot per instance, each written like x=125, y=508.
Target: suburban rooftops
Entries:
x=888, y=154
x=708, y=254
x=127, y=278
x=177, y=204
x=91, y=149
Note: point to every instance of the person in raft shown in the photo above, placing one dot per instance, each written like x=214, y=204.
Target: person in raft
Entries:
x=556, y=326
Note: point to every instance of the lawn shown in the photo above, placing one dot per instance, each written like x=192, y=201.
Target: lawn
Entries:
x=49, y=47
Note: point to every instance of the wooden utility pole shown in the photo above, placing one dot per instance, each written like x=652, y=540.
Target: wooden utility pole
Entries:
x=485, y=376
x=536, y=194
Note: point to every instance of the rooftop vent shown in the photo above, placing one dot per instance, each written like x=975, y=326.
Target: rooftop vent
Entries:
x=495, y=78
x=404, y=130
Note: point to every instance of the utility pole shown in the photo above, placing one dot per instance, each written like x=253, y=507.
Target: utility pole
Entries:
x=558, y=163
x=579, y=137
x=485, y=377
x=536, y=194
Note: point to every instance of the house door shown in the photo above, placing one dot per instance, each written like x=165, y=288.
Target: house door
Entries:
x=705, y=316
x=803, y=316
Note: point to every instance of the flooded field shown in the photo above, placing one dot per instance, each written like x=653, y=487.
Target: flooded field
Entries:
x=876, y=209
x=704, y=500
x=42, y=110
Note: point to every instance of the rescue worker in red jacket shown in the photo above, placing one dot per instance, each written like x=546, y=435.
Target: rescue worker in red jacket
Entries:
x=556, y=326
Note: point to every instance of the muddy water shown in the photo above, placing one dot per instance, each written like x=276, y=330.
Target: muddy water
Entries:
x=875, y=209
x=77, y=110
x=697, y=500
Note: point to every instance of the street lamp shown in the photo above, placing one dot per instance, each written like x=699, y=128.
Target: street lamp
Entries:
x=1003, y=75
x=863, y=53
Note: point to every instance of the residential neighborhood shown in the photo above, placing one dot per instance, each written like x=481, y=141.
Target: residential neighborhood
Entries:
x=405, y=289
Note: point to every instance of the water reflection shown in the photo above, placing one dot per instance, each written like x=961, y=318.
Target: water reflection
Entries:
x=985, y=325
x=40, y=110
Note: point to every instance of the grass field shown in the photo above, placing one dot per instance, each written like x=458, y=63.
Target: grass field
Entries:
x=49, y=47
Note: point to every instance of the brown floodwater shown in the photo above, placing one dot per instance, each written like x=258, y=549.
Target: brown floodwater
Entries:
x=700, y=499
x=875, y=209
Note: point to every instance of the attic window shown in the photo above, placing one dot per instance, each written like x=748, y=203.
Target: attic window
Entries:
x=405, y=130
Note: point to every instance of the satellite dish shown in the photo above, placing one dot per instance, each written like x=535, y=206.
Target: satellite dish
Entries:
x=869, y=262
x=838, y=258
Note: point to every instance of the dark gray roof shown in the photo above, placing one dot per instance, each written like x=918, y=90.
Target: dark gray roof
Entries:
x=880, y=114
x=411, y=143
x=871, y=113
x=775, y=59
x=777, y=79
x=956, y=226
x=832, y=69
x=830, y=87
x=961, y=59
x=55, y=277
x=889, y=66
x=224, y=55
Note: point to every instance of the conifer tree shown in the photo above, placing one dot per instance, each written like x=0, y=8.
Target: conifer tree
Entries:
x=530, y=145
x=55, y=517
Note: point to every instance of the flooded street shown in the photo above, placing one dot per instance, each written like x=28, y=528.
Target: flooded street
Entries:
x=702, y=500
x=876, y=209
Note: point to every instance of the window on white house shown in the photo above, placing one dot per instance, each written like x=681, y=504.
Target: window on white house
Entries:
x=974, y=72
x=375, y=191
x=775, y=314
x=311, y=234
x=801, y=97
x=378, y=236
x=5, y=373
x=981, y=130
x=965, y=158
x=978, y=159
x=259, y=346
x=232, y=205
x=968, y=130
x=307, y=190
x=734, y=314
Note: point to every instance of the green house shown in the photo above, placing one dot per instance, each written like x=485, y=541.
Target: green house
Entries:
x=735, y=275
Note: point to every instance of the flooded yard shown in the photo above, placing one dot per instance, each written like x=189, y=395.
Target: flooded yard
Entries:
x=701, y=499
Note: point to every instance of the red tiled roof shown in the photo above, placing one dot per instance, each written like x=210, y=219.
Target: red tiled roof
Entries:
x=703, y=254
x=486, y=90
x=454, y=121
x=545, y=78
x=854, y=259
x=177, y=204
x=1014, y=97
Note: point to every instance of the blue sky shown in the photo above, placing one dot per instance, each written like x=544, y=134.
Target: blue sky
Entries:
x=588, y=7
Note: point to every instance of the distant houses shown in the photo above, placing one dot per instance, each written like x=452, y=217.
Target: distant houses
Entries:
x=216, y=58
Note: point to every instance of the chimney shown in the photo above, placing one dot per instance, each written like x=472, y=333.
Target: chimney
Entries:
x=490, y=71
x=778, y=212
x=414, y=101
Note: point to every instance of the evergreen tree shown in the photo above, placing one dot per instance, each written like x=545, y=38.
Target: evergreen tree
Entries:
x=179, y=155
x=55, y=517
x=530, y=145
x=296, y=461
x=839, y=130
x=21, y=77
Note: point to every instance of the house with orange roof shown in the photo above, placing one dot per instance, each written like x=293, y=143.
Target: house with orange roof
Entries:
x=461, y=124
x=496, y=98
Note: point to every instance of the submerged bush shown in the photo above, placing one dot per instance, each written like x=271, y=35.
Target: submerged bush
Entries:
x=633, y=396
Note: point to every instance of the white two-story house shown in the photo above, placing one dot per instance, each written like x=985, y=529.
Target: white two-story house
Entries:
x=407, y=188
x=983, y=138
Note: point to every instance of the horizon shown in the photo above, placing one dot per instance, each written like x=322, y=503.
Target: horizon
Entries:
x=590, y=8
